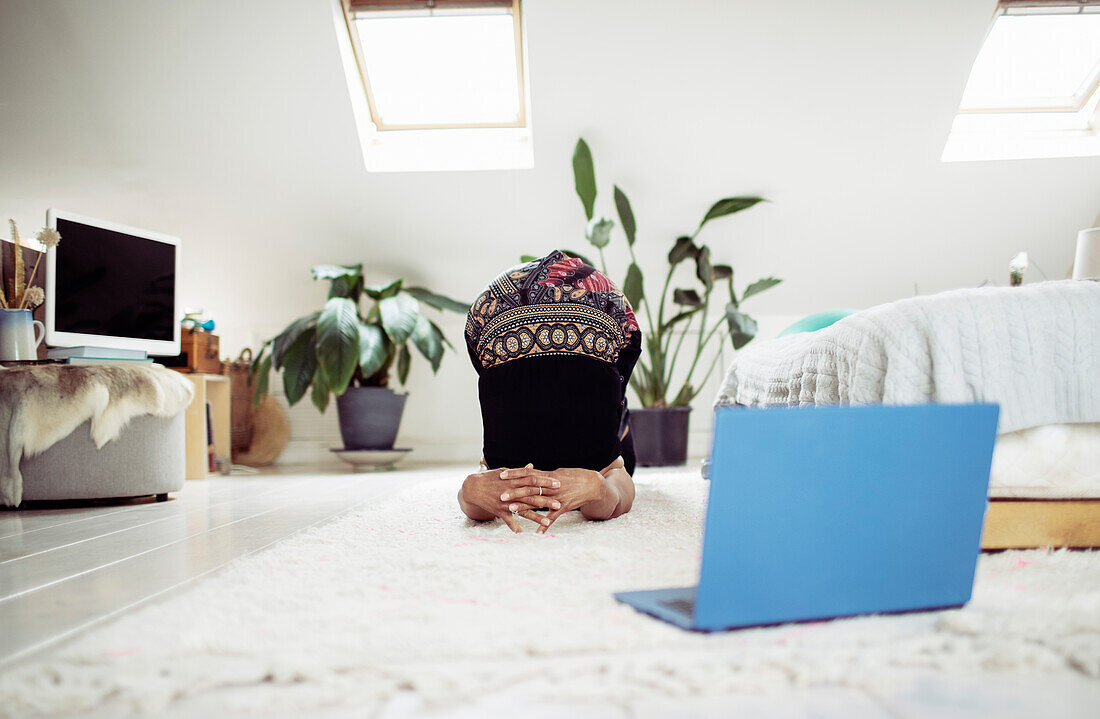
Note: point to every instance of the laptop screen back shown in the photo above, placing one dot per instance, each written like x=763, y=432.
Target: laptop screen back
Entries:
x=820, y=512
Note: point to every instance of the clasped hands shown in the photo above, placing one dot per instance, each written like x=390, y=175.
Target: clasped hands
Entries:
x=511, y=493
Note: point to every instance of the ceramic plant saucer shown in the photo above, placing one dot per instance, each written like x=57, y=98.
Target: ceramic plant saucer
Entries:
x=371, y=460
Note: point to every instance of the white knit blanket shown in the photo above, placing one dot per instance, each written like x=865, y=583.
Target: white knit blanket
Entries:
x=1035, y=350
x=42, y=404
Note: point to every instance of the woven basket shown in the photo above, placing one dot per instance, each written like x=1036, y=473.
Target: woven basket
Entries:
x=240, y=405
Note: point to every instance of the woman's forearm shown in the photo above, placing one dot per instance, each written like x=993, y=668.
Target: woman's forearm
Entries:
x=616, y=496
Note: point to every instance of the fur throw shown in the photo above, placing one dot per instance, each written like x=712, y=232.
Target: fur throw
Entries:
x=42, y=404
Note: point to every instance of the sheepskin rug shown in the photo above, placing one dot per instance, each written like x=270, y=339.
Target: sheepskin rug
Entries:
x=408, y=596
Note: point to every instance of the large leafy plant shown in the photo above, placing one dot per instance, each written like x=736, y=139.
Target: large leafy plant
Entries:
x=327, y=351
x=672, y=319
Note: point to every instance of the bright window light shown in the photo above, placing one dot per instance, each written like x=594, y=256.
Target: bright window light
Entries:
x=441, y=70
x=437, y=85
x=1034, y=89
x=1036, y=61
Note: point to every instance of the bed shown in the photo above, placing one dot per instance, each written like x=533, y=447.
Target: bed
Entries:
x=1035, y=350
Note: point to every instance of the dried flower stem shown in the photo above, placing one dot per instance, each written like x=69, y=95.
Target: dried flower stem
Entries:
x=20, y=270
x=30, y=278
x=3, y=298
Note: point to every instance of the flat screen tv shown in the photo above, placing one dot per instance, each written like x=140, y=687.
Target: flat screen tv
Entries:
x=111, y=286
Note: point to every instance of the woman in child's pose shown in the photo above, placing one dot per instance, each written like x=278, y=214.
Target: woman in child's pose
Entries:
x=554, y=342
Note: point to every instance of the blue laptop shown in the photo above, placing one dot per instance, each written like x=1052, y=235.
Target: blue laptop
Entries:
x=817, y=513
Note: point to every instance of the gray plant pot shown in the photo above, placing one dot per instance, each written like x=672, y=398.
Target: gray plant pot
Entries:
x=660, y=435
x=370, y=417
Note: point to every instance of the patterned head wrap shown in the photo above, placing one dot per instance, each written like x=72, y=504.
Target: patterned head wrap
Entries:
x=556, y=305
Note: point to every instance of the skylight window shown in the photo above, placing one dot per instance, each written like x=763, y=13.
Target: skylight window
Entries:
x=1035, y=86
x=440, y=70
x=437, y=84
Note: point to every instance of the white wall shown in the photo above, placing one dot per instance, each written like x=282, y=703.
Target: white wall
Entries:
x=229, y=124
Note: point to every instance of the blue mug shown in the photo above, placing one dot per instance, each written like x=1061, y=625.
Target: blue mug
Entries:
x=18, y=338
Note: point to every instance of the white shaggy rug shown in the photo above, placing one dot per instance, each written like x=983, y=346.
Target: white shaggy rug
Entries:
x=408, y=595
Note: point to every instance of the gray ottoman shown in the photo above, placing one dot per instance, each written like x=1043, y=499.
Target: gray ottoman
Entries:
x=147, y=458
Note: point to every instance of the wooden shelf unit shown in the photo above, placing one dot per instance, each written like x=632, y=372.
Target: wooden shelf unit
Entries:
x=212, y=388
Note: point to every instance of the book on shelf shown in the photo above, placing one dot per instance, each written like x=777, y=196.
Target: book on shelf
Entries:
x=88, y=352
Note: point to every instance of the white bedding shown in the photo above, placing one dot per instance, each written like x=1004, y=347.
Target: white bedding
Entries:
x=1035, y=350
x=1056, y=461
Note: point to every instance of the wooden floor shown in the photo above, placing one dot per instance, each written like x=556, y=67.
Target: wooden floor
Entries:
x=64, y=568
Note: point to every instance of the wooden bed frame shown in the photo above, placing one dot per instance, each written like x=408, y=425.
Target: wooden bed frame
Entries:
x=1027, y=523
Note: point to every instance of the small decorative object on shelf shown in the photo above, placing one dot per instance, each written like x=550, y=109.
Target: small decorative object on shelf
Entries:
x=1017, y=266
x=18, y=296
x=198, y=353
x=196, y=320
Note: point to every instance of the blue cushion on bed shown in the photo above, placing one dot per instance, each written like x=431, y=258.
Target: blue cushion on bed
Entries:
x=816, y=321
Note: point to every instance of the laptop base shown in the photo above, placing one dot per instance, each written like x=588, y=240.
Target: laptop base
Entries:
x=676, y=606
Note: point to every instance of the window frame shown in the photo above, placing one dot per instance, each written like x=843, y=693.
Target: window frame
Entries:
x=1016, y=132
x=1024, y=8
x=364, y=77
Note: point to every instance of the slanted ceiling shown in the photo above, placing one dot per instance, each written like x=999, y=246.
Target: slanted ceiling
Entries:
x=229, y=124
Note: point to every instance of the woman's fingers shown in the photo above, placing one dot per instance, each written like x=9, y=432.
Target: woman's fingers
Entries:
x=535, y=517
x=536, y=482
x=535, y=502
x=527, y=471
x=522, y=493
x=550, y=518
x=510, y=520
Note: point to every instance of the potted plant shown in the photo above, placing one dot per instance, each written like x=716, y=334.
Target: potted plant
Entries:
x=682, y=317
x=339, y=350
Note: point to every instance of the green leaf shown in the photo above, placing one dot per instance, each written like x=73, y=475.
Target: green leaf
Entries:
x=252, y=368
x=702, y=268
x=445, y=340
x=689, y=298
x=759, y=286
x=320, y=394
x=381, y=292
x=299, y=366
x=579, y=256
x=294, y=330
x=262, y=380
x=527, y=258
x=372, y=349
x=347, y=286
x=679, y=318
x=331, y=272
x=742, y=327
x=626, y=215
x=584, y=177
x=429, y=340
x=633, y=285
x=403, y=359
x=721, y=272
x=683, y=249
x=439, y=301
x=338, y=342
x=683, y=398
x=398, y=315
x=728, y=206
x=599, y=232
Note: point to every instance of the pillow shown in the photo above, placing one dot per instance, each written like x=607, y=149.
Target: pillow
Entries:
x=816, y=322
